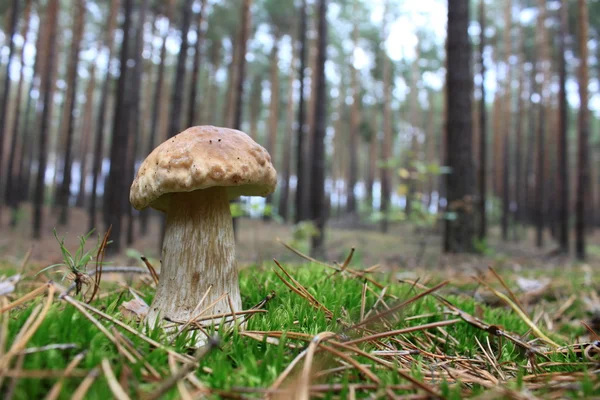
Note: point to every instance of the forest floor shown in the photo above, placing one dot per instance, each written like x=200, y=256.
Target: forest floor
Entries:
x=403, y=248
x=398, y=320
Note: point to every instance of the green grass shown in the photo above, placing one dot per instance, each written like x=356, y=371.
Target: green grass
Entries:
x=243, y=362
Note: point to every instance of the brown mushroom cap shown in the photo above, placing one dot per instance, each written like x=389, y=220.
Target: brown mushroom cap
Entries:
x=199, y=158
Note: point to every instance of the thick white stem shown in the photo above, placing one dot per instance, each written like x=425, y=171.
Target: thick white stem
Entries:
x=198, y=251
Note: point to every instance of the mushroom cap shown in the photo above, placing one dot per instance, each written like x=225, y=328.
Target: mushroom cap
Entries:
x=199, y=158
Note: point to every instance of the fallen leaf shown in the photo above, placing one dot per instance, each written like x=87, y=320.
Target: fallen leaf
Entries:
x=135, y=308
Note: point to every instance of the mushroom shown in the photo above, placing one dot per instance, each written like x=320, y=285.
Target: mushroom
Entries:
x=192, y=177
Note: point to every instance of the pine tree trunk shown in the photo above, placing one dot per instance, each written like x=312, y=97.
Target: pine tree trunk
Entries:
x=177, y=94
x=518, y=152
x=17, y=142
x=497, y=140
x=101, y=117
x=156, y=103
x=583, y=143
x=530, y=150
x=287, y=143
x=26, y=151
x=192, y=106
x=241, y=65
x=562, y=146
x=133, y=98
x=12, y=30
x=507, y=120
x=85, y=139
x=115, y=188
x=414, y=144
x=255, y=105
x=338, y=176
x=64, y=191
x=355, y=120
x=48, y=91
x=540, y=188
x=482, y=129
x=228, y=98
x=210, y=116
x=310, y=116
x=301, y=134
x=430, y=143
x=386, y=146
x=273, y=110
x=240, y=74
x=540, y=210
x=317, y=193
x=372, y=159
x=460, y=181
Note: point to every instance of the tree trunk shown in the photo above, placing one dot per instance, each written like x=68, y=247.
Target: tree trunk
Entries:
x=101, y=117
x=228, y=97
x=12, y=30
x=430, y=142
x=48, y=91
x=85, y=136
x=541, y=128
x=156, y=103
x=133, y=99
x=460, y=181
x=355, y=120
x=116, y=189
x=287, y=142
x=255, y=105
x=414, y=132
x=310, y=116
x=64, y=193
x=507, y=120
x=240, y=74
x=27, y=148
x=518, y=152
x=211, y=110
x=583, y=172
x=177, y=94
x=317, y=193
x=386, y=145
x=530, y=150
x=372, y=159
x=301, y=178
x=550, y=167
x=539, y=178
x=442, y=203
x=241, y=65
x=562, y=146
x=192, y=106
x=11, y=195
x=497, y=139
x=338, y=170
x=273, y=110
x=482, y=129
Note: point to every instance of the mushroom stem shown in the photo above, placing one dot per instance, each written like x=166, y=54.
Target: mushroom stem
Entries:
x=198, y=251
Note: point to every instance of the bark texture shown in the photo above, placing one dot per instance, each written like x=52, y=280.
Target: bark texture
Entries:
x=562, y=148
x=317, y=193
x=301, y=181
x=48, y=90
x=460, y=183
x=583, y=173
x=482, y=130
x=101, y=116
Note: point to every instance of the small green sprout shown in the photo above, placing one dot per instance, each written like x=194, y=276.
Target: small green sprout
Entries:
x=76, y=263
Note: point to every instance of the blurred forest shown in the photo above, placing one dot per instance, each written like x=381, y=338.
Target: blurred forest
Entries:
x=460, y=119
